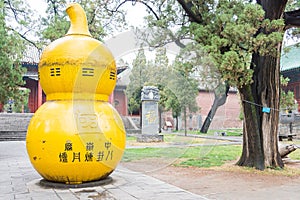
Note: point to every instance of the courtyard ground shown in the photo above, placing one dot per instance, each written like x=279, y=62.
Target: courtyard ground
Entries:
x=18, y=180
x=225, y=182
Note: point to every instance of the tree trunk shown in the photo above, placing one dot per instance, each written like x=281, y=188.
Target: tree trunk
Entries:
x=260, y=141
x=141, y=116
x=159, y=119
x=220, y=99
x=185, y=122
x=176, y=126
x=252, y=154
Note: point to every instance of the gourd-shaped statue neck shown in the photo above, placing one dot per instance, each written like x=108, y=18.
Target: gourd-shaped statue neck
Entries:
x=79, y=25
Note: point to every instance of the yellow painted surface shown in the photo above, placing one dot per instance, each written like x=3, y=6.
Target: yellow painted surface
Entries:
x=77, y=63
x=75, y=141
x=76, y=136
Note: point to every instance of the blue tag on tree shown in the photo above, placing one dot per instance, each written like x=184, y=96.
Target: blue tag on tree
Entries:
x=266, y=110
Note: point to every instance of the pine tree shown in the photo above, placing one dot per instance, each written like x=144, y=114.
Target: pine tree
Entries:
x=11, y=71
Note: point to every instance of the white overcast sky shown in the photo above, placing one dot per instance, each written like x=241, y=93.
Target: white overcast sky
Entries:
x=134, y=16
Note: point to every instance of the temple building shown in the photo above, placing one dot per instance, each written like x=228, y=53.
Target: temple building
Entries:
x=290, y=67
x=30, y=62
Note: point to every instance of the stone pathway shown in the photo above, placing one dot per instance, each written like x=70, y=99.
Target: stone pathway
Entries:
x=18, y=180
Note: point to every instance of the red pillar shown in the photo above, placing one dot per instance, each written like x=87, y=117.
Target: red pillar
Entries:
x=111, y=98
x=39, y=95
x=125, y=106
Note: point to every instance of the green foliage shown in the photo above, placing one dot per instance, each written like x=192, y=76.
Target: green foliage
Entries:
x=177, y=90
x=229, y=36
x=133, y=104
x=287, y=98
x=17, y=14
x=185, y=89
x=56, y=25
x=19, y=103
x=138, y=78
x=170, y=102
x=11, y=46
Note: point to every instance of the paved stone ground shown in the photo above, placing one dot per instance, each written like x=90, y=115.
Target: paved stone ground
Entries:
x=18, y=180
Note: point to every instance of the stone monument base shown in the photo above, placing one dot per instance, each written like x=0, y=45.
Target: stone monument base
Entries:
x=150, y=138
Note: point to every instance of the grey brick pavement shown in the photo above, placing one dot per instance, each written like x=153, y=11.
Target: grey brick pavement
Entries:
x=18, y=180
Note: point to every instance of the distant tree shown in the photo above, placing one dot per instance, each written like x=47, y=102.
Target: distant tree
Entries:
x=167, y=23
x=133, y=105
x=185, y=90
x=138, y=78
x=160, y=67
x=139, y=74
x=287, y=98
x=11, y=47
x=99, y=15
x=55, y=24
x=184, y=87
x=208, y=76
x=158, y=73
x=170, y=102
x=17, y=14
x=178, y=90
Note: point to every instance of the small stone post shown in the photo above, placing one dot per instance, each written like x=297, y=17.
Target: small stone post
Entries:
x=150, y=119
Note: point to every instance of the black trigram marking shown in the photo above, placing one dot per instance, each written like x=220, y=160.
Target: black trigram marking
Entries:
x=112, y=75
x=87, y=71
x=55, y=71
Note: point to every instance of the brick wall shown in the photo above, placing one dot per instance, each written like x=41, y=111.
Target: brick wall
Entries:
x=227, y=116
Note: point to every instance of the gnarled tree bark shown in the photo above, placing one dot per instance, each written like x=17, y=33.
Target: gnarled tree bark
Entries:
x=260, y=144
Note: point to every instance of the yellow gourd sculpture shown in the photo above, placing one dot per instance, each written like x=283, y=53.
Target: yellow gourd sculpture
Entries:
x=76, y=136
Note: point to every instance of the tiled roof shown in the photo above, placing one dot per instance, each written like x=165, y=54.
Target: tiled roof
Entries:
x=123, y=77
x=31, y=55
x=291, y=58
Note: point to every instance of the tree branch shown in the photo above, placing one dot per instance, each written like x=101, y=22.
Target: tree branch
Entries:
x=292, y=19
x=179, y=43
x=14, y=10
x=187, y=6
x=26, y=39
x=133, y=3
x=54, y=6
x=92, y=16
